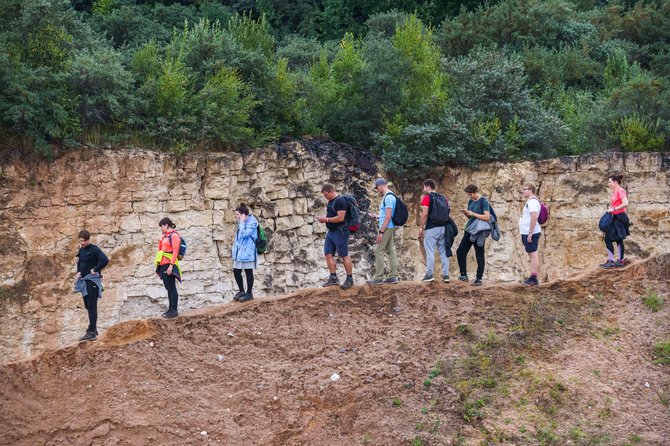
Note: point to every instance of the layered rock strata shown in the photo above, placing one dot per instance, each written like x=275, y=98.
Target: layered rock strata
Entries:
x=120, y=195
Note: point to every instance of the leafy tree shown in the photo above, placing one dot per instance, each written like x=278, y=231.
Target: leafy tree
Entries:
x=516, y=24
x=37, y=40
x=490, y=116
x=102, y=87
x=224, y=106
x=637, y=134
x=300, y=52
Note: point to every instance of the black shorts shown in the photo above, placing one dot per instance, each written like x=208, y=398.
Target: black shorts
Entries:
x=532, y=246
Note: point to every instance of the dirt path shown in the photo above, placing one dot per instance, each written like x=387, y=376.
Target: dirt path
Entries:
x=259, y=373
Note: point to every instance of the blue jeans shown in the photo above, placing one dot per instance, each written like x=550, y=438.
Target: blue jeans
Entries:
x=434, y=238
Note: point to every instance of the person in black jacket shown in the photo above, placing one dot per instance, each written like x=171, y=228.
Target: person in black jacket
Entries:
x=90, y=262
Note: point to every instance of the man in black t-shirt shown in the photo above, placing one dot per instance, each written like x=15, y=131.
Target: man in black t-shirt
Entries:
x=337, y=237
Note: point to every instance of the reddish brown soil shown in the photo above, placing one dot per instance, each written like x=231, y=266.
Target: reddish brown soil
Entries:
x=580, y=370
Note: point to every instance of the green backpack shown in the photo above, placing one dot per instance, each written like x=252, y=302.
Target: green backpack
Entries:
x=261, y=240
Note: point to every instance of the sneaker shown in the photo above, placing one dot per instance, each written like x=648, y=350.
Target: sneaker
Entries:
x=89, y=336
x=445, y=278
x=348, y=283
x=463, y=278
x=531, y=281
x=477, y=282
x=428, y=278
x=619, y=263
x=245, y=297
x=391, y=280
x=607, y=265
x=331, y=281
x=170, y=314
x=374, y=281
x=238, y=295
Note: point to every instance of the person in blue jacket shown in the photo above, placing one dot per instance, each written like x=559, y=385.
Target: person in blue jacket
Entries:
x=244, y=252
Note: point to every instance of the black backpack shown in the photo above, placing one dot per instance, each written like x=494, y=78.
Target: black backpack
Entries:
x=352, y=220
x=439, y=210
x=400, y=214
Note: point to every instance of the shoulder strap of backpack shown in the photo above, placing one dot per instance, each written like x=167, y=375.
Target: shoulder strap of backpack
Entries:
x=431, y=198
x=169, y=237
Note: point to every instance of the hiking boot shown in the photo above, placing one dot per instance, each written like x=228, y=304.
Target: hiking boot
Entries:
x=463, y=278
x=348, y=283
x=391, y=280
x=619, y=263
x=445, y=278
x=89, y=336
x=374, y=281
x=331, y=281
x=238, y=295
x=428, y=278
x=245, y=297
x=607, y=265
x=477, y=282
x=531, y=281
x=169, y=314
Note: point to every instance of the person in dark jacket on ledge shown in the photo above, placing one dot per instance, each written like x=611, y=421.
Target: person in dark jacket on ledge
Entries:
x=90, y=262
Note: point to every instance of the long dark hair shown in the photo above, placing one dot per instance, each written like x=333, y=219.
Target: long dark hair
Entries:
x=167, y=221
x=242, y=209
x=616, y=177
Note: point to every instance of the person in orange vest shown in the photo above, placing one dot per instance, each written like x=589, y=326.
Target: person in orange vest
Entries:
x=167, y=264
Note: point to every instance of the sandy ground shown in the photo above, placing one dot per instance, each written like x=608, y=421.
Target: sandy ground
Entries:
x=261, y=373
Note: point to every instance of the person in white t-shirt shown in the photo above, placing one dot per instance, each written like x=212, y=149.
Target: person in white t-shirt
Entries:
x=530, y=231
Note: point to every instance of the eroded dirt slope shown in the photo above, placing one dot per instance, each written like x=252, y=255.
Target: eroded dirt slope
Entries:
x=570, y=362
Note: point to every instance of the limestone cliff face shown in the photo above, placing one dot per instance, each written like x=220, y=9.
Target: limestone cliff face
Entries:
x=120, y=195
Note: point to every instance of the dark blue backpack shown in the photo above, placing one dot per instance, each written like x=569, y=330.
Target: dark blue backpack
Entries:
x=182, y=246
x=605, y=221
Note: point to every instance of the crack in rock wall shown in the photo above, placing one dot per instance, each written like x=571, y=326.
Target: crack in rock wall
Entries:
x=120, y=195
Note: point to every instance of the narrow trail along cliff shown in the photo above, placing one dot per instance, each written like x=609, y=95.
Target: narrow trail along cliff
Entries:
x=570, y=362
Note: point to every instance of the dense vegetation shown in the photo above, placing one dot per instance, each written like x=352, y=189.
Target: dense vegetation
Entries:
x=421, y=84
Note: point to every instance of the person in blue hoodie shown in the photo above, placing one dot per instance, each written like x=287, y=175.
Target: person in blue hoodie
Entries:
x=245, y=256
x=90, y=262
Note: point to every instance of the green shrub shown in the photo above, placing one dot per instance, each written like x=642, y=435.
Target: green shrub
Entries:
x=652, y=300
x=638, y=134
x=662, y=353
x=224, y=106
